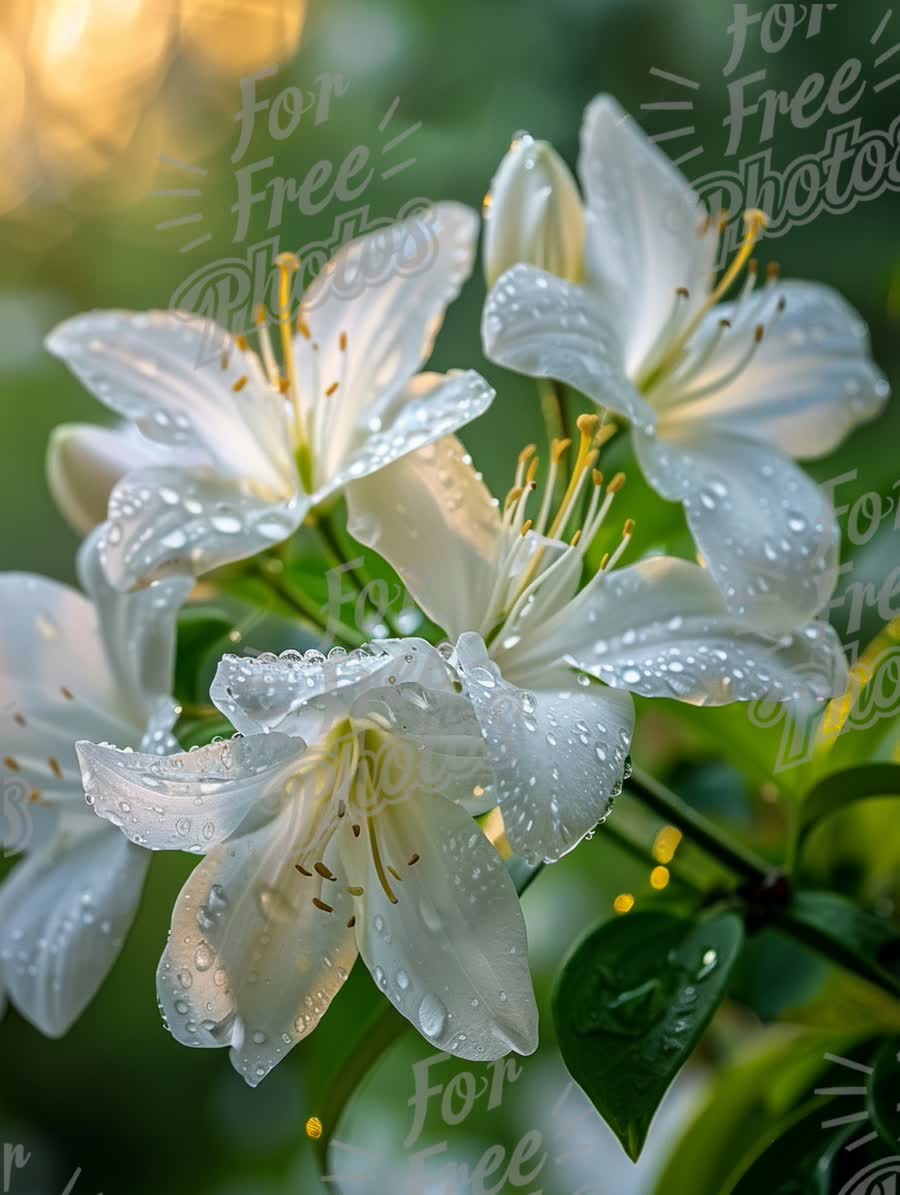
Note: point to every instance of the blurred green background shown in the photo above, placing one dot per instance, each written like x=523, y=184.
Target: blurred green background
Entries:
x=96, y=93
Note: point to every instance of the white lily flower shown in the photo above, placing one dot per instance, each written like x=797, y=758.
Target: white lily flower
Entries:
x=532, y=646
x=533, y=213
x=357, y=844
x=270, y=442
x=721, y=393
x=71, y=667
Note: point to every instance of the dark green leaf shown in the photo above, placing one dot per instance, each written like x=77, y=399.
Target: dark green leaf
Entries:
x=203, y=637
x=841, y=789
x=197, y=732
x=799, y=1158
x=863, y=943
x=745, y=1107
x=883, y=1093
x=631, y=1004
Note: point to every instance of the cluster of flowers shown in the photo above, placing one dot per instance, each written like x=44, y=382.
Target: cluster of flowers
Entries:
x=339, y=819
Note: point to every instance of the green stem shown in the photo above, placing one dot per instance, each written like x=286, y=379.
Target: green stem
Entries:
x=308, y=611
x=699, y=829
x=340, y=556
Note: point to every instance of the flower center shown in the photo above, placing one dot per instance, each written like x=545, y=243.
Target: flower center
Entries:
x=675, y=369
x=307, y=421
x=538, y=556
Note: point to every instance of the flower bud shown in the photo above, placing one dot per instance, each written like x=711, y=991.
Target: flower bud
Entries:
x=533, y=214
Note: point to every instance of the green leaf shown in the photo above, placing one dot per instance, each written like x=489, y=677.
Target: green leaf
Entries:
x=746, y=1103
x=197, y=732
x=863, y=943
x=203, y=638
x=841, y=789
x=883, y=1092
x=798, y=1159
x=631, y=1004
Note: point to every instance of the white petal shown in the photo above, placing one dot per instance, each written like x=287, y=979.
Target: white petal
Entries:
x=252, y=963
x=383, y=296
x=431, y=406
x=430, y=740
x=810, y=382
x=163, y=370
x=84, y=462
x=558, y=750
x=544, y=327
x=55, y=687
x=170, y=522
x=138, y=631
x=661, y=628
x=643, y=229
x=192, y=801
x=765, y=530
x=451, y=954
x=305, y=695
x=64, y=914
x=436, y=523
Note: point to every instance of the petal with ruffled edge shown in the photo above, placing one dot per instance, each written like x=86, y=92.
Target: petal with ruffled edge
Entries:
x=56, y=687
x=371, y=317
x=252, y=963
x=138, y=632
x=434, y=520
x=558, y=749
x=766, y=531
x=544, y=327
x=85, y=460
x=192, y=801
x=429, y=407
x=809, y=382
x=647, y=233
x=171, y=522
x=186, y=384
x=450, y=951
x=661, y=628
x=64, y=914
x=305, y=695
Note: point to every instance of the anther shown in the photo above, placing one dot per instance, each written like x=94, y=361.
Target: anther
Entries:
x=597, y=477
x=299, y=867
x=573, y=542
x=355, y=890
x=320, y=904
x=239, y=384
x=558, y=449
x=628, y=529
x=355, y=830
x=413, y=860
x=325, y=872
x=683, y=292
x=532, y=471
x=342, y=342
x=395, y=873
x=527, y=453
x=526, y=527
x=773, y=270
x=331, y=389
x=604, y=561
x=242, y=342
x=351, y=922
x=303, y=328
x=616, y=484
x=587, y=425
x=53, y=764
x=759, y=332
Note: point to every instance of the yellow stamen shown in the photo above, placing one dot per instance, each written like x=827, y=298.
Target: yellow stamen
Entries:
x=288, y=264
x=616, y=484
x=379, y=867
x=239, y=385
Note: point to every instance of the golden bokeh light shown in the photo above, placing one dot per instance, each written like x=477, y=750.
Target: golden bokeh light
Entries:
x=314, y=1128
x=235, y=37
x=623, y=903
